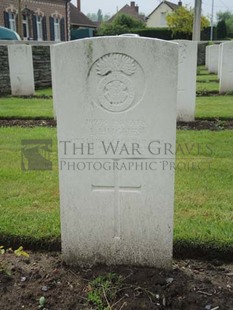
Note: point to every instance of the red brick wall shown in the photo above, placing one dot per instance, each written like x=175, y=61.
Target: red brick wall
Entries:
x=48, y=7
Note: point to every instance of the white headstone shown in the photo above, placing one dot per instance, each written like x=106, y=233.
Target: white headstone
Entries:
x=207, y=56
x=226, y=74
x=213, y=59
x=186, y=96
x=21, y=70
x=53, y=74
x=220, y=60
x=116, y=117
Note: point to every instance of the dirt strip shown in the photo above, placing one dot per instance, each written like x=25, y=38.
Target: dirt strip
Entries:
x=43, y=281
x=199, y=124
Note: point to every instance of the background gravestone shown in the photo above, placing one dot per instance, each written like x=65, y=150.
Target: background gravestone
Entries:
x=53, y=77
x=213, y=58
x=186, y=95
x=220, y=60
x=207, y=56
x=226, y=72
x=21, y=70
x=116, y=116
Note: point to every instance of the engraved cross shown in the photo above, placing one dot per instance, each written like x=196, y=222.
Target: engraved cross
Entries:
x=116, y=188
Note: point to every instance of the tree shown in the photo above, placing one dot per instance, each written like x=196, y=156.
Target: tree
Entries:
x=181, y=20
x=122, y=23
x=226, y=16
x=106, y=17
x=221, y=29
x=99, y=15
x=92, y=16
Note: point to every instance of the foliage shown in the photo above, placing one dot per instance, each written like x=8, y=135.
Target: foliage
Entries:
x=21, y=252
x=221, y=29
x=122, y=23
x=103, y=290
x=181, y=20
x=226, y=16
x=3, y=264
x=98, y=16
x=41, y=302
x=159, y=33
x=2, y=250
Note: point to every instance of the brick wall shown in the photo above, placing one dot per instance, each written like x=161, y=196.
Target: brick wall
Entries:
x=41, y=66
x=48, y=7
x=5, y=86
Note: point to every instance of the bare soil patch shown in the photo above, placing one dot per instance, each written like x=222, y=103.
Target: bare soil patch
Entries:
x=199, y=124
x=191, y=285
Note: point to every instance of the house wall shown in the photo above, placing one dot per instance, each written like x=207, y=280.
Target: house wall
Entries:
x=154, y=19
x=47, y=7
x=41, y=66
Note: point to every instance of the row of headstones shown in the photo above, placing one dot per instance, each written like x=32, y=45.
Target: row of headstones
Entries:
x=22, y=78
x=219, y=60
x=116, y=105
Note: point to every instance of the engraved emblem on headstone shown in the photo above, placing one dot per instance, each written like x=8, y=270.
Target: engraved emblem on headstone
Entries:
x=117, y=81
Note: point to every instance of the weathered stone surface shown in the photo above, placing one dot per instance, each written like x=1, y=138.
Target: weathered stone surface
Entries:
x=226, y=73
x=116, y=114
x=186, y=96
x=41, y=66
x=21, y=70
x=213, y=58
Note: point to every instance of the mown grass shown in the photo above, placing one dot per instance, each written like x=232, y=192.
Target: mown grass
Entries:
x=207, y=78
x=207, y=87
x=12, y=107
x=201, y=70
x=204, y=212
x=29, y=207
x=206, y=82
x=29, y=199
x=214, y=107
x=44, y=92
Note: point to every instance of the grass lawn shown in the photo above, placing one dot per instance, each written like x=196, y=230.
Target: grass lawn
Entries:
x=207, y=87
x=207, y=78
x=203, y=200
x=206, y=82
x=29, y=206
x=29, y=199
x=214, y=107
x=44, y=92
x=201, y=70
x=12, y=107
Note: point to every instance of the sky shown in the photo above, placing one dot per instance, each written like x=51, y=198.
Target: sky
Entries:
x=147, y=6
